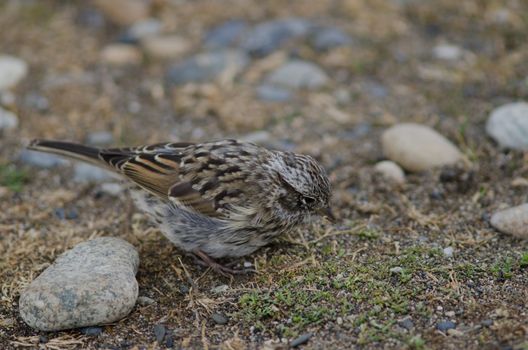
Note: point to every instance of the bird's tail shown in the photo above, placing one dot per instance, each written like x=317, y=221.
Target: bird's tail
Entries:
x=69, y=149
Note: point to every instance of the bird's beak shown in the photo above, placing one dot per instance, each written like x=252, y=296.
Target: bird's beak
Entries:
x=327, y=213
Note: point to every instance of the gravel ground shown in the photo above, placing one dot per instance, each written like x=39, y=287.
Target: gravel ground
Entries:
x=412, y=265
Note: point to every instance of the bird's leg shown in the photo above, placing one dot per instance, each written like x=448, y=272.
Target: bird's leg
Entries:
x=217, y=267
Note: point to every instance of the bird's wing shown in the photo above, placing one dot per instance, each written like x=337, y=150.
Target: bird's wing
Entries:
x=182, y=173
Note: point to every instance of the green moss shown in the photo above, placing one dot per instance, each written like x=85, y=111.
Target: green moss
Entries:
x=12, y=177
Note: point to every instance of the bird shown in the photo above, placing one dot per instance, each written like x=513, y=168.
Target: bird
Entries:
x=218, y=199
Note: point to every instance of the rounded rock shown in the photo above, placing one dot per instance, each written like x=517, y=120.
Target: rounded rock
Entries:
x=12, y=70
x=512, y=221
x=165, y=46
x=418, y=148
x=124, y=12
x=298, y=74
x=121, y=55
x=508, y=126
x=92, y=284
x=390, y=171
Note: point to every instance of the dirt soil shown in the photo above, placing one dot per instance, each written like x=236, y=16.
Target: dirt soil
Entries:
x=336, y=282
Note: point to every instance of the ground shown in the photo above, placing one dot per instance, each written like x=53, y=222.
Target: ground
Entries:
x=378, y=278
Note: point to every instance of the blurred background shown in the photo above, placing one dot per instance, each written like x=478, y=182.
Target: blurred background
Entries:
x=325, y=78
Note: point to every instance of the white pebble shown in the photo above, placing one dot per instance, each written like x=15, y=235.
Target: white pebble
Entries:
x=448, y=252
x=513, y=221
x=390, y=171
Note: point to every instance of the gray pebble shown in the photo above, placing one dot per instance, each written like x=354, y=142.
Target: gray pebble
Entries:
x=92, y=284
x=301, y=340
x=8, y=120
x=145, y=301
x=112, y=188
x=41, y=160
x=159, y=332
x=406, y=323
x=269, y=36
x=141, y=29
x=329, y=38
x=225, y=34
x=84, y=172
x=444, y=326
x=91, y=331
x=270, y=93
x=36, y=101
x=448, y=252
x=487, y=323
x=298, y=74
x=207, y=66
x=219, y=318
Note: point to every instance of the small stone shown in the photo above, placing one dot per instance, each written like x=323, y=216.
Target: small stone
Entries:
x=84, y=172
x=220, y=289
x=159, y=332
x=328, y=38
x=124, y=12
x=406, y=323
x=512, y=221
x=8, y=120
x=121, y=55
x=43, y=339
x=448, y=252
x=455, y=333
x=145, y=301
x=418, y=148
x=207, y=66
x=396, y=270
x=63, y=214
x=247, y=264
x=92, y=284
x=91, y=331
x=301, y=340
x=169, y=341
x=41, y=160
x=450, y=313
x=90, y=18
x=100, y=138
x=339, y=321
x=298, y=74
x=219, y=318
x=165, y=46
x=508, y=126
x=444, y=326
x=112, y=188
x=390, y=171
x=487, y=323
x=140, y=30
x=270, y=93
x=439, y=308
x=12, y=70
x=447, y=52
x=269, y=36
x=36, y=101
x=225, y=34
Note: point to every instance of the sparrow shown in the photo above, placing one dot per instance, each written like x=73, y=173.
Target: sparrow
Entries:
x=215, y=199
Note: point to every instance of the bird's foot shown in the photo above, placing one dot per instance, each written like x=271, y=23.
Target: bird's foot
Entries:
x=203, y=259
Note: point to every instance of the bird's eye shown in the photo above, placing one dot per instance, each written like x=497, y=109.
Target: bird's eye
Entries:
x=309, y=200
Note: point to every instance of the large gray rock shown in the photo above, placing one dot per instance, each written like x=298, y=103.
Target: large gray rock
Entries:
x=298, y=74
x=12, y=70
x=513, y=221
x=508, y=125
x=92, y=284
x=207, y=66
x=418, y=147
